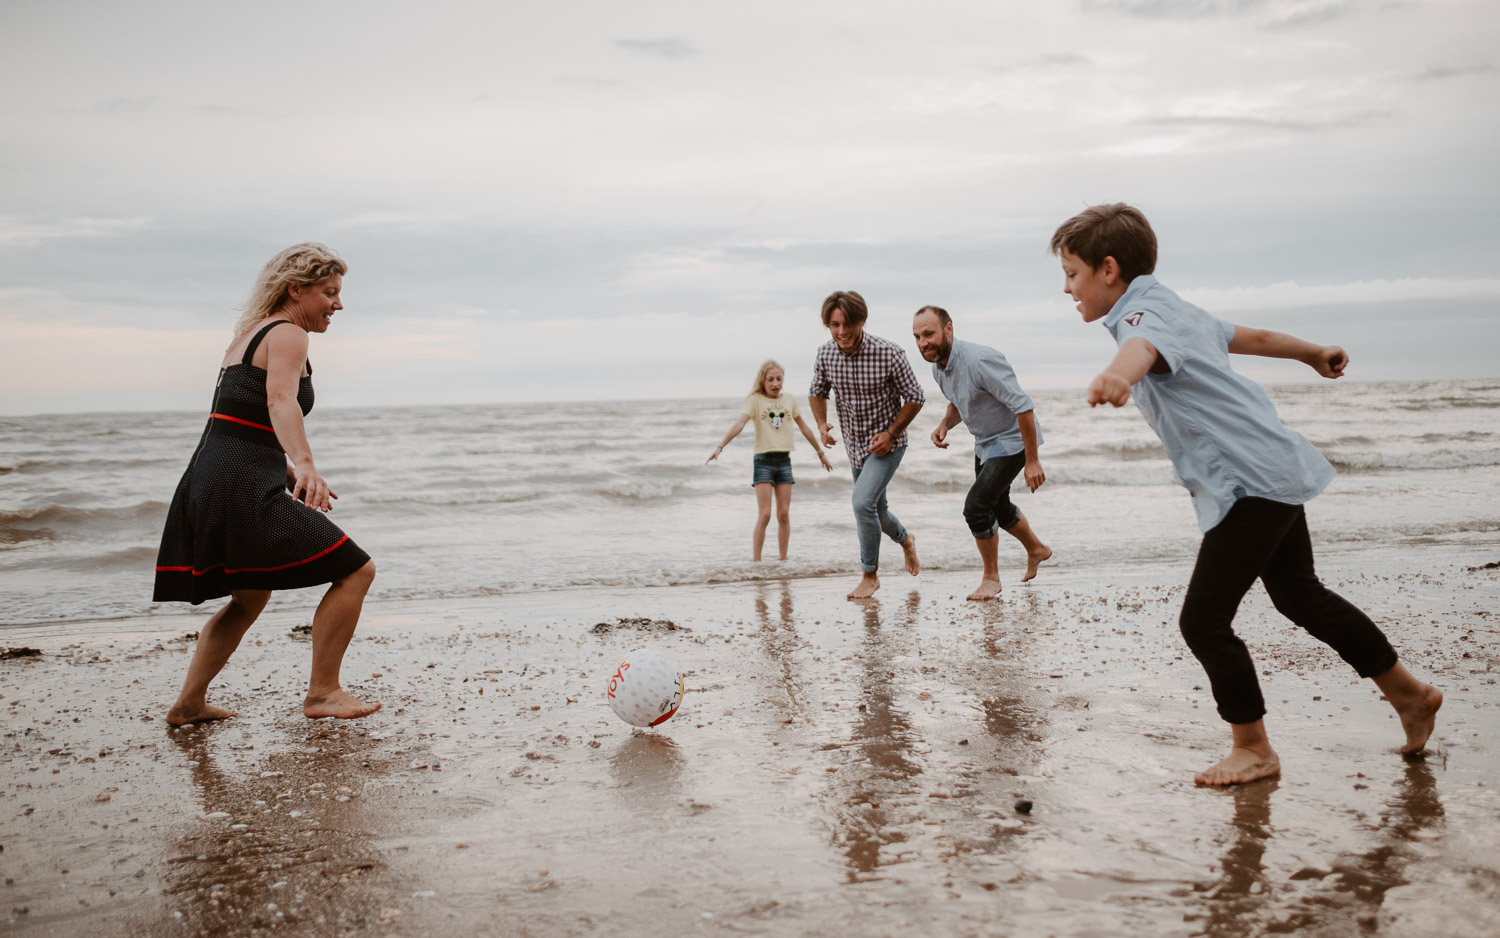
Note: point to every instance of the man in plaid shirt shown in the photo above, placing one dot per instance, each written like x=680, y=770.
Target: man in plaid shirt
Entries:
x=877, y=397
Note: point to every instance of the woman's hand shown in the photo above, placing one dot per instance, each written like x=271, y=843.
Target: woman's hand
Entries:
x=310, y=488
x=715, y=454
x=823, y=457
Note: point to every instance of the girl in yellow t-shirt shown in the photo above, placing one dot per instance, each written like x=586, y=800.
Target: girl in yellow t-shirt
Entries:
x=773, y=413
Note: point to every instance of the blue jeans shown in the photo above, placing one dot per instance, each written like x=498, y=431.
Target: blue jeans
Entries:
x=871, y=516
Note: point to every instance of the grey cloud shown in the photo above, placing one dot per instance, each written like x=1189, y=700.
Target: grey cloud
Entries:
x=127, y=105
x=590, y=81
x=1312, y=16
x=1053, y=59
x=1439, y=72
x=1049, y=60
x=1238, y=122
x=668, y=47
x=1176, y=9
x=1279, y=14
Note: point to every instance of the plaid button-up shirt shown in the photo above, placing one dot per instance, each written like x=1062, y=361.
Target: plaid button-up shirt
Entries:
x=868, y=388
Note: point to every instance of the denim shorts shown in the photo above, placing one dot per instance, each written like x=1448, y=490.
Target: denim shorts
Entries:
x=775, y=468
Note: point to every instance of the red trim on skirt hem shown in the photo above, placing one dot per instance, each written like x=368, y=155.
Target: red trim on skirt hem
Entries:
x=296, y=563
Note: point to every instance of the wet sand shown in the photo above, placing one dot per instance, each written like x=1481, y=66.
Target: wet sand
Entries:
x=836, y=768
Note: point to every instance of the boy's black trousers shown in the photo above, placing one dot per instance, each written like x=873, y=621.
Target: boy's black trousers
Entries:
x=1266, y=540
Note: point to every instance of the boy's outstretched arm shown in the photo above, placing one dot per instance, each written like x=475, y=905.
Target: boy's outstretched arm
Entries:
x=1131, y=362
x=813, y=441
x=1327, y=360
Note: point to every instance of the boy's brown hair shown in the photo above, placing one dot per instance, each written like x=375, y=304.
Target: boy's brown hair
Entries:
x=1111, y=230
x=851, y=303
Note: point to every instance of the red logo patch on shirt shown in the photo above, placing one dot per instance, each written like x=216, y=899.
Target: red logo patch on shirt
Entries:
x=1134, y=319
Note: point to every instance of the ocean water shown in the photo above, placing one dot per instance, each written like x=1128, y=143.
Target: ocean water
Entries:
x=471, y=500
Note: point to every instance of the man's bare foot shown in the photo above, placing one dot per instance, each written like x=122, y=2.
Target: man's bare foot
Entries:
x=868, y=584
x=1034, y=560
x=1418, y=717
x=1241, y=765
x=181, y=715
x=340, y=704
x=909, y=548
x=989, y=588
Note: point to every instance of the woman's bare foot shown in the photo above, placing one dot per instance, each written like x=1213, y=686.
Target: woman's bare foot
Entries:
x=909, y=548
x=183, y=714
x=989, y=588
x=340, y=704
x=1034, y=559
x=1416, y=704
x=868, y=584
x=1241, y=765
x=1418, y=717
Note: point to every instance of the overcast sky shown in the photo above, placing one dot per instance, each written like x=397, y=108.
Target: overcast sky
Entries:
x=583, y=200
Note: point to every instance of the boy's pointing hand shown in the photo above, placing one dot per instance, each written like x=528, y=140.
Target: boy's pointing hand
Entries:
x=1108, y=388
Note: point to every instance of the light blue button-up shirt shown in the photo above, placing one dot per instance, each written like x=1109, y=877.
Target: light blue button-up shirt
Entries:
x=983, y=386
x=1221, y=431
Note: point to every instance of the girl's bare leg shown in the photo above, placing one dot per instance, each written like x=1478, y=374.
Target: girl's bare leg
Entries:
x=763, y=518
x=783, y=517
x=217, y=640
x=333, y=627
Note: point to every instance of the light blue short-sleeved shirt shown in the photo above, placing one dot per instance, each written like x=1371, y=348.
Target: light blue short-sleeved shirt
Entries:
x=982, y=385
x=1219, y=428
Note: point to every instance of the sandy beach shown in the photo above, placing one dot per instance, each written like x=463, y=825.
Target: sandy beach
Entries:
x=913, y=765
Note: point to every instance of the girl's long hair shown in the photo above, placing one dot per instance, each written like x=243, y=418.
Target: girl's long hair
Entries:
x=759, y=387
x=306, y=264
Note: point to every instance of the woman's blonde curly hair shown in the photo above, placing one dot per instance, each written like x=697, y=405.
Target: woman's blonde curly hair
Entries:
x=306, y=264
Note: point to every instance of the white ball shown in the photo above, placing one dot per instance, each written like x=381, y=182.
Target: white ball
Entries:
x=645, y=688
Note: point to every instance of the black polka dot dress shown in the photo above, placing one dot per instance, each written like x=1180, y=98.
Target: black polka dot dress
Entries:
x=233, y=524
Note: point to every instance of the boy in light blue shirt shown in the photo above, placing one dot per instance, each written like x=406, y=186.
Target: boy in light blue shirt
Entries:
x=983, y=393
x=1249, y=476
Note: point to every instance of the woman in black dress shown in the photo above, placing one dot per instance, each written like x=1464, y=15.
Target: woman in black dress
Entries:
x=248, y=516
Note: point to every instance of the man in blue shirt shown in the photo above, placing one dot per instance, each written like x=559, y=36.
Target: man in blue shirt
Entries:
x=1249, y=476
x=984, y=395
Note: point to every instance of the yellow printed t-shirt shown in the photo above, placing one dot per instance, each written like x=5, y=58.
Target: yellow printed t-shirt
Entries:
x=773, y=422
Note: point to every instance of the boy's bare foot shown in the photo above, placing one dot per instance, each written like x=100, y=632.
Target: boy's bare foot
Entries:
x=1034, y=559
x=340, y=704
x=181, y=715
x=909, y=548
x=989, y=588
x=868, y=584
x=1418, y=717
x=1241, y=765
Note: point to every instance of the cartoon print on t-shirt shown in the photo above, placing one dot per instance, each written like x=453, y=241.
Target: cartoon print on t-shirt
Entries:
x=776, y=417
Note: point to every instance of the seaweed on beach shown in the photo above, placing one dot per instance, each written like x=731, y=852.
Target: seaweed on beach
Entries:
x=22, y=652
x=639, y=623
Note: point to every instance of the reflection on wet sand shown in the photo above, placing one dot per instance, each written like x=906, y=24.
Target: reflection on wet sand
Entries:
x=883, y=737
x=1009, y=714
x=780, y=640
x=283, y=846
x=1242, y=892
x=647, y=768
x=1244, y=899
